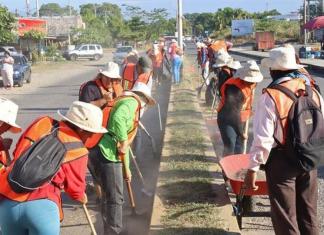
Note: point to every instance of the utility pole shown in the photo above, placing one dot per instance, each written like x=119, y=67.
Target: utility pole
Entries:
x=27, y=8
x=305, y=20
x=37, y=9
x=179, y=17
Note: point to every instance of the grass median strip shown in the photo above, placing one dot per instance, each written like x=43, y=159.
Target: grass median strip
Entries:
x=185, y=186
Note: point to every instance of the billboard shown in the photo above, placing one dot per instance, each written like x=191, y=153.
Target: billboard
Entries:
x=26, y=24
x=242, y=27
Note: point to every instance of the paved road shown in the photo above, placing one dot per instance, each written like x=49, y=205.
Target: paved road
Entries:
x=54, y=88
x=263, y=224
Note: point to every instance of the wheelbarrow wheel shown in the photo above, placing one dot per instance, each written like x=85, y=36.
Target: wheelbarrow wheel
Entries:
x=246, y=204
x=239, y=221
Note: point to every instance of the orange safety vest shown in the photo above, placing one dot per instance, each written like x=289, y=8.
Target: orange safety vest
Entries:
x=157, y=59
x=129, y=76
x=34, y=132
x=3, y=154
x=144, y=77
x=218, y=45
x=283, y=103
x=94, y=139
x=247, y=90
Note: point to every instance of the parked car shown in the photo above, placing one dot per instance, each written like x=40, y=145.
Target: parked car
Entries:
x=22, y=69
x=86, y=51
x=121, y=53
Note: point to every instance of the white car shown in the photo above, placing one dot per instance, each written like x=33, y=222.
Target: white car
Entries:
x=85, y=51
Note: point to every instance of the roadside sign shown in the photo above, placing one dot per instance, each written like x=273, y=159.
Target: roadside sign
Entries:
x=242, y=27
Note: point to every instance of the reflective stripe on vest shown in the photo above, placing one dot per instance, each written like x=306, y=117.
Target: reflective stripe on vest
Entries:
x=35, y=131
x=283, y=104
x=247, y=90
x=129, y=74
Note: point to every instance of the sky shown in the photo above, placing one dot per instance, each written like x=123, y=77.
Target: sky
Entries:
x=189, y=6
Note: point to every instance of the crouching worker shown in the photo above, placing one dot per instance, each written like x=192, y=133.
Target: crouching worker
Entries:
x=8, y=115
x=49, y=157
x=113, y=149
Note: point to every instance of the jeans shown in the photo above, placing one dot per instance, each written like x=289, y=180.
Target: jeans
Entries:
x=233, y=142
x=38, y=217
x=113, y=198
x=176, y=70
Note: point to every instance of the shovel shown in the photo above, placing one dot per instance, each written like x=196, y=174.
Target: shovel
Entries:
x=151, y=138
x=129, y=190
x=144, y=191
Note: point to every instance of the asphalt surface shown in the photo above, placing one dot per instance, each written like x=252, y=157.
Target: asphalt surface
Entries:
x=55, y=89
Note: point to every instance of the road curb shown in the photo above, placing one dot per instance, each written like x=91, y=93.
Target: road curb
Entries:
x=310, y=67
x=229, y=226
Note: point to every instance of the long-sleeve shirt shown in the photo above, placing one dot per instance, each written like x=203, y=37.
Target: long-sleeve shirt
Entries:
x=265, y=123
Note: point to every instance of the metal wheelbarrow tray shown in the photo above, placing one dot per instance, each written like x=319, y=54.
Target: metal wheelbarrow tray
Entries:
x=235, y=167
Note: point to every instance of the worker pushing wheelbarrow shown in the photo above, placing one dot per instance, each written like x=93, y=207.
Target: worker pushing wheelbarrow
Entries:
x=288, y=131
x=235, y=168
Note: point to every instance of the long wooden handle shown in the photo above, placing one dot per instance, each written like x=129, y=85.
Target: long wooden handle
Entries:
x=128, y=183
x=130, y=193
x=85, y=209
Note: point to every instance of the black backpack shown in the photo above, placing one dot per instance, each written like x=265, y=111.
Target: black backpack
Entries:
x=39, y=163
x=305, y=135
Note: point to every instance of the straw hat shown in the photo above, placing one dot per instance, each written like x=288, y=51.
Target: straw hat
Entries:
x=112, y=71
x=86, y=116
x=143, y=90
x=250, y=72
x=8, y=114
x=281, y=58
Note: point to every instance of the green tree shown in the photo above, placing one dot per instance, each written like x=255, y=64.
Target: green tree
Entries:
x=50, y=9
x=7, y=25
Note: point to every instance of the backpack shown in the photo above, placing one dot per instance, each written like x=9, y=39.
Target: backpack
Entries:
x=305, y=134
x=39, y=163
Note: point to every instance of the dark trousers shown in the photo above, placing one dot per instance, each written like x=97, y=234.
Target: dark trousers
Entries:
x=110, y=177
x=233, y=142
x=293, y=196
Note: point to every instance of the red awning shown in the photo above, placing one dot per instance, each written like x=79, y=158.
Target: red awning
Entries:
x=316, y=23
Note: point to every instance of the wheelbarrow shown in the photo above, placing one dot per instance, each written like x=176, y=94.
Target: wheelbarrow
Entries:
x=235, y=168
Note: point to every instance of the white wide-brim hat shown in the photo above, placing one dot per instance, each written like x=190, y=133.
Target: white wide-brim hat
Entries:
x=173, y=40
x=8, y=114
x=112, y=71
x=222, y=59
x=234, y=64
x=142, y=89
x=86, y=116
x=249, y=72
x=281, y=58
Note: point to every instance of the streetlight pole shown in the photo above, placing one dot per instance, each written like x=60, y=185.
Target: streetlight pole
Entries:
x=179, y=17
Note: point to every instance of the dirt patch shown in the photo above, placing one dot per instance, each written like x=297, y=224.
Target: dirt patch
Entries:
x=191, y=199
